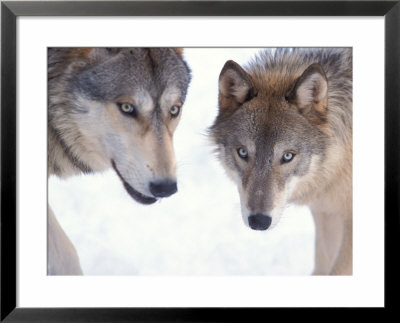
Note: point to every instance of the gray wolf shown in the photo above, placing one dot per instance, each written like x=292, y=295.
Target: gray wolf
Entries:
x=284, y=135
x=112, y=108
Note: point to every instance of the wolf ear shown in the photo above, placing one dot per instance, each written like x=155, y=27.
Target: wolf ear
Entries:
x=310, y=91
x=235, y=86
x=99, y=54
x=179, y=51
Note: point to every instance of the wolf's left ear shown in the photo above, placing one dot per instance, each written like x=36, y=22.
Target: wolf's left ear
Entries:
x=310, y=91
x=235, y=86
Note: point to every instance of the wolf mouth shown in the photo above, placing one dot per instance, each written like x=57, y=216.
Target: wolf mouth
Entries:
x=137, y=196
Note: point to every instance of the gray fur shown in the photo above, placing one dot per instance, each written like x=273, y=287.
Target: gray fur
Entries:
x=102, y=75
x=264, y=121
x=119, y=74
x=290, y=63
x=296, y=101
x=111, y=107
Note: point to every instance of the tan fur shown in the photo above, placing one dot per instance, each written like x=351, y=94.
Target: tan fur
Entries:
x=332, y=211
x=179, y=51
x=62, y=256
x=292, y=101
x=331, y=207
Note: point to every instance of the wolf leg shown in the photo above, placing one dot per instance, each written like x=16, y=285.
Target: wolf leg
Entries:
x=344, y=261
x=328, y=235
x=62, y=258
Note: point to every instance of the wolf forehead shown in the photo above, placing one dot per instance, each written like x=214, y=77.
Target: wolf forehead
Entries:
x=122, y=72
x=264, y=126
x=270, y=127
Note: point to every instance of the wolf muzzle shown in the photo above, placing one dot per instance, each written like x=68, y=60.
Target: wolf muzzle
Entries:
x=259, y=221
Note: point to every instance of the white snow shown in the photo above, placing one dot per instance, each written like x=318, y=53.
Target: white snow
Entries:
x=199, y=230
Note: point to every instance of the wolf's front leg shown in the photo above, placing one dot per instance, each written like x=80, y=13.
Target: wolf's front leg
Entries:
x=62, y=258
x=343, y=264
x=328, y=230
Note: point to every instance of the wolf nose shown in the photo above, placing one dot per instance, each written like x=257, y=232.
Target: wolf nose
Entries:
x=259, y=221
x=163, y=188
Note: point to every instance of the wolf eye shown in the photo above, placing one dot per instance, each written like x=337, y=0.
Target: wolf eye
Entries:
x=242, y=153
x=286, y=98
x=174, y=110
x=287, y=157
x=127, y=108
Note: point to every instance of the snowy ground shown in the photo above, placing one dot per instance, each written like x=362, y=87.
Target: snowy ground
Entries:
x=199, y=230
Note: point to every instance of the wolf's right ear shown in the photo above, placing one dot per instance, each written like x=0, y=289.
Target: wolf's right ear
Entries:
x=99, y=54
x=235, y=86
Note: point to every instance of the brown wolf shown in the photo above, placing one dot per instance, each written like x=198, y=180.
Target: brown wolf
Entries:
x=284, y=135
x=112, y=108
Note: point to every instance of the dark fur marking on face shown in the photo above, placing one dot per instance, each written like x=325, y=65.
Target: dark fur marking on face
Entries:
x=152, y=63
x=129, y=70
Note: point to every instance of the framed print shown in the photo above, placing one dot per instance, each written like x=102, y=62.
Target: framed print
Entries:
x=184, y=275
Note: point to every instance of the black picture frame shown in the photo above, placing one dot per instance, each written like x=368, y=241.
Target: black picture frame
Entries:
x=10, y=10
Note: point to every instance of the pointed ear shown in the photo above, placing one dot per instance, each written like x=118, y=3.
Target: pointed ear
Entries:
x=310, y=91
x=235, y=86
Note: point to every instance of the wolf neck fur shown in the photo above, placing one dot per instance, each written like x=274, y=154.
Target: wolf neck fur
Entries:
x=340, y=189
x=61, y=159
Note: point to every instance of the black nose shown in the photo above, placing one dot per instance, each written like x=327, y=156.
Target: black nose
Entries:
x=163, y=188
x=259, y=221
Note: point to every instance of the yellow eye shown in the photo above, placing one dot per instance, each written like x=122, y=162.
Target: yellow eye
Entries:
x=127, y=109
x=174, y=110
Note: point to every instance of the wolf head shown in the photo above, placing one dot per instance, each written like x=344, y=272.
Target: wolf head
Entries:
x=270, y=133
x=119, y=108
